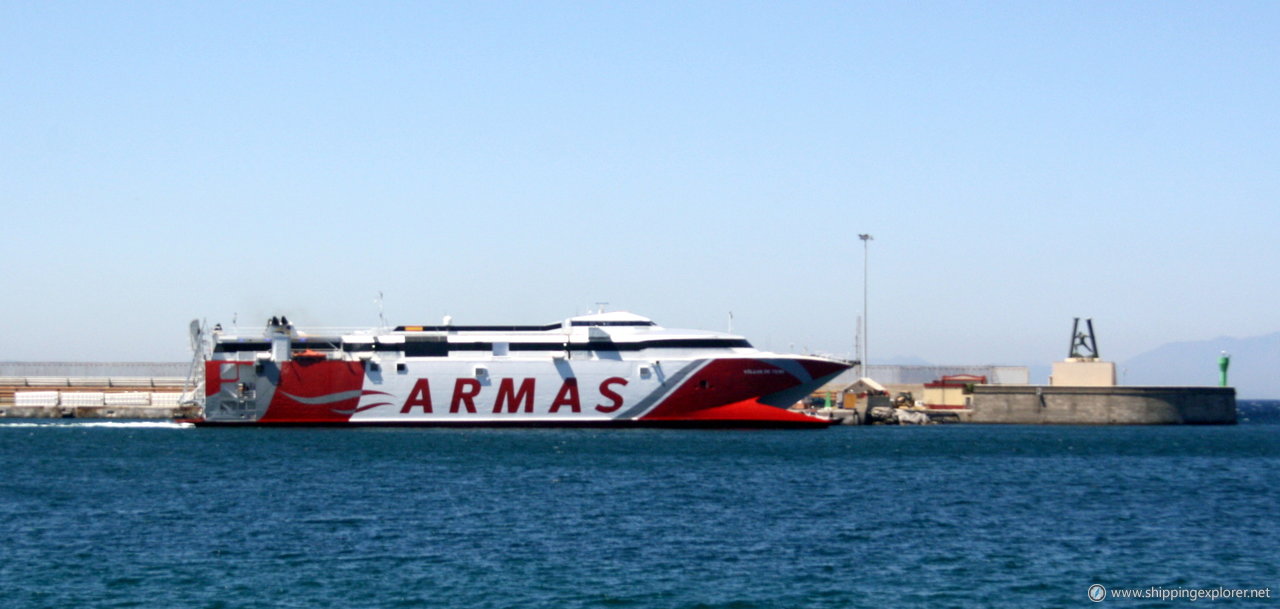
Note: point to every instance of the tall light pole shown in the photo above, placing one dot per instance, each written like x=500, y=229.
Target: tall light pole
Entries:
x=866, y=251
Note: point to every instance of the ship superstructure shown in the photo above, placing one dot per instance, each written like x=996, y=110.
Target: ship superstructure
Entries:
x=605, y=369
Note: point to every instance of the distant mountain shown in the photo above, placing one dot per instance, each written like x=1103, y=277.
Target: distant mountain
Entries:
x=1254, y=371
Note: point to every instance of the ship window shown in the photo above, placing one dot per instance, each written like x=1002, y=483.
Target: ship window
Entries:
x=402, y=368
x=501, y=349
x=598, y=324
x=426, y=346
x=238, y=347
x=318, y=344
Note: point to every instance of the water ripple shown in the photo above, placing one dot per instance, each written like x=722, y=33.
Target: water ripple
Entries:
x=996, y=517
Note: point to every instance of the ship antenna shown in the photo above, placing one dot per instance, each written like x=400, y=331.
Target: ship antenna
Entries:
x=600, y=307
x=730, y=322
x=381, y=318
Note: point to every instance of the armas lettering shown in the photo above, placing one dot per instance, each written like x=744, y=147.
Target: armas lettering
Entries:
x=514, y=398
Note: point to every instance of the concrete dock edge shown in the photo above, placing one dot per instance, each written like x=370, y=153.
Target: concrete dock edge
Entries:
x=1119, y=405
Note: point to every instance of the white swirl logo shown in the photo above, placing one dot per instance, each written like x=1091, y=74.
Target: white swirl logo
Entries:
x=1097, y=593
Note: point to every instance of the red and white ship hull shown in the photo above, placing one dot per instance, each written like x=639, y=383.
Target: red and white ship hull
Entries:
x=637, y=376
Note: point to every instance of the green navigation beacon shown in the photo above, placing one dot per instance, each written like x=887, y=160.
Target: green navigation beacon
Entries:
x=1224, y=361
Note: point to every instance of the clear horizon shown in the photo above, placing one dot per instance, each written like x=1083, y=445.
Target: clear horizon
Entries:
x=1018, y=165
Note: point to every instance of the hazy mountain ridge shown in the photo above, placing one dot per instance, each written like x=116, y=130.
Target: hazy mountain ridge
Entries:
x=1254, y=371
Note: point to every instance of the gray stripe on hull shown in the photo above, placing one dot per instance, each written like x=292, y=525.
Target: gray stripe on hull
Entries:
x=672, y=384
x=794, y=367
x=325, y=399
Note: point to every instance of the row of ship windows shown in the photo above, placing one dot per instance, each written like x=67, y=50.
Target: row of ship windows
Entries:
x=442, y=348
x=543, y=328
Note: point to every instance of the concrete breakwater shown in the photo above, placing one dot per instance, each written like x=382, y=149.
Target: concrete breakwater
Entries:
x=1052, y=405
x=1117, y=405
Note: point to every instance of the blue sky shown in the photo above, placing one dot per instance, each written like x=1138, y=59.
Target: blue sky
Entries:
x=1019, y=164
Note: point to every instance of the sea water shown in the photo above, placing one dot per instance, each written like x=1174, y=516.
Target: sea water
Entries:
x=100, y=514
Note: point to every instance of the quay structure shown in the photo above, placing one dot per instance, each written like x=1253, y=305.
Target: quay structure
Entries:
x=943, y=393
x=1082, y=390
x=1079, y=393
x=94, y=390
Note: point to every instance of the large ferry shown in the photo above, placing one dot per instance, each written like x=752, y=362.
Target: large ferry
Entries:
x=605, y=369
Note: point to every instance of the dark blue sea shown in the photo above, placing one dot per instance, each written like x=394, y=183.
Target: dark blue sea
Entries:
x=97, y=514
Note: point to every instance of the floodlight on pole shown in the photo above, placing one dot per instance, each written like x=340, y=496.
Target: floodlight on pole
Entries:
x=866, y=251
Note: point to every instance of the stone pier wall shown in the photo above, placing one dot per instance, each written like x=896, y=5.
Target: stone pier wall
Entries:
x=98, y=412
x=1121, y=405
